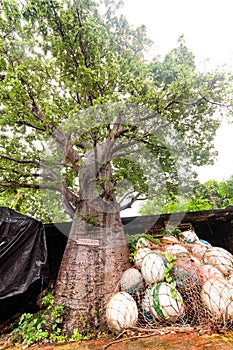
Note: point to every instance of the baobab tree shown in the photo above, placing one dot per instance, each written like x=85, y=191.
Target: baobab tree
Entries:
x=120, y=129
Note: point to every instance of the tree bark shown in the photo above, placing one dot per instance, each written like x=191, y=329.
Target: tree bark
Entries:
x=95, y=257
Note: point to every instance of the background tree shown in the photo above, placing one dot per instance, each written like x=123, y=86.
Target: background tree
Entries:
x=209, y=195
x=120, y=128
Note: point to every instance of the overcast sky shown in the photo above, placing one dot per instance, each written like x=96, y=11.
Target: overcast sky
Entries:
x=207, y=26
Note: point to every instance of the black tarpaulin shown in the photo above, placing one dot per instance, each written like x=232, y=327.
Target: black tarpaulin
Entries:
x=23, y=252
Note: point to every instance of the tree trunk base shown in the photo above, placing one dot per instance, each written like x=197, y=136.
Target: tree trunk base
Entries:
x=91, y=268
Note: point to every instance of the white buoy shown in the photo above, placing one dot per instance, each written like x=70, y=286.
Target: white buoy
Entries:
x=169, y=239
x=220, y=258
x=217, y=295
x=166, y=303
x=198, y=250
x=188, y=236
x=195, y=260
x=121, y=312
x=212, y=271
x=140, y=254
x=131, y=281
x=143, y=243
x=153, y=268
x=231, y=279
x=145, y=305
x=176, y=249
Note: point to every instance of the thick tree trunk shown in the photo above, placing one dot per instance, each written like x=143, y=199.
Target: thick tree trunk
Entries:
x=93, y=262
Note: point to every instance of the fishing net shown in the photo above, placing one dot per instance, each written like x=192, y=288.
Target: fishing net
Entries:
x=177, y=284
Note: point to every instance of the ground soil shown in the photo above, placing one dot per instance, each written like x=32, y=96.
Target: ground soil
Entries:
x=191, y=341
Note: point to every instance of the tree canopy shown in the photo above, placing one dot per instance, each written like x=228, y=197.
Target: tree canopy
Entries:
x=74, y=72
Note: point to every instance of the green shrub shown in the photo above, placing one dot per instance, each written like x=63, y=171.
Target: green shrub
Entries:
x=171, y=231
x=31, y=328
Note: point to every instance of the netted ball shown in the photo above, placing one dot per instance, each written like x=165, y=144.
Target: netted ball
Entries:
x=166, y=303
x=140, y=254
x=145, y=306
x=121, y=312
x=131, y=281
x=176, y=249
x=188, y=236
x=202, y=241
x=153, y=268
x=169, y=239
x=143, y=243
x=217, y=296
x=185, y=272
x=231, y=279
x=212, y=271
x=220, y=258
x=195, y=260
x=198, y=250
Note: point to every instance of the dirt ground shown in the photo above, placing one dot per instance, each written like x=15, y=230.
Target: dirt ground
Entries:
x=159, y=342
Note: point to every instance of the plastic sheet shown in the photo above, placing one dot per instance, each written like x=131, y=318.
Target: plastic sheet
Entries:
x=23, y=252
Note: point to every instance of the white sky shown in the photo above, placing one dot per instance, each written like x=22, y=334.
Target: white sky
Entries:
x=207, y=26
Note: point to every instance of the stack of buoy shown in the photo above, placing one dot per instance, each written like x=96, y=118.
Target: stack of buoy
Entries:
x=156, y=289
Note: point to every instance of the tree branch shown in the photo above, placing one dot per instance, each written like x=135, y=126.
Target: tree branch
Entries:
x=125, y=196
x=79, y=36
x=20, y=161
x=28, y=175
x=52, y=175
x=131, y=202
x=123, y=145
x=33, y=126
x=36, y=111
x=13, y=184
x=68, y=207
x=59, y=25
x=119, y=132
x=171, y=103
x=126, y=154
x=216, y=103
x=70, y=196
x=149, y=116
x=57, y=20
x=69, y=200
x=69, y=152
